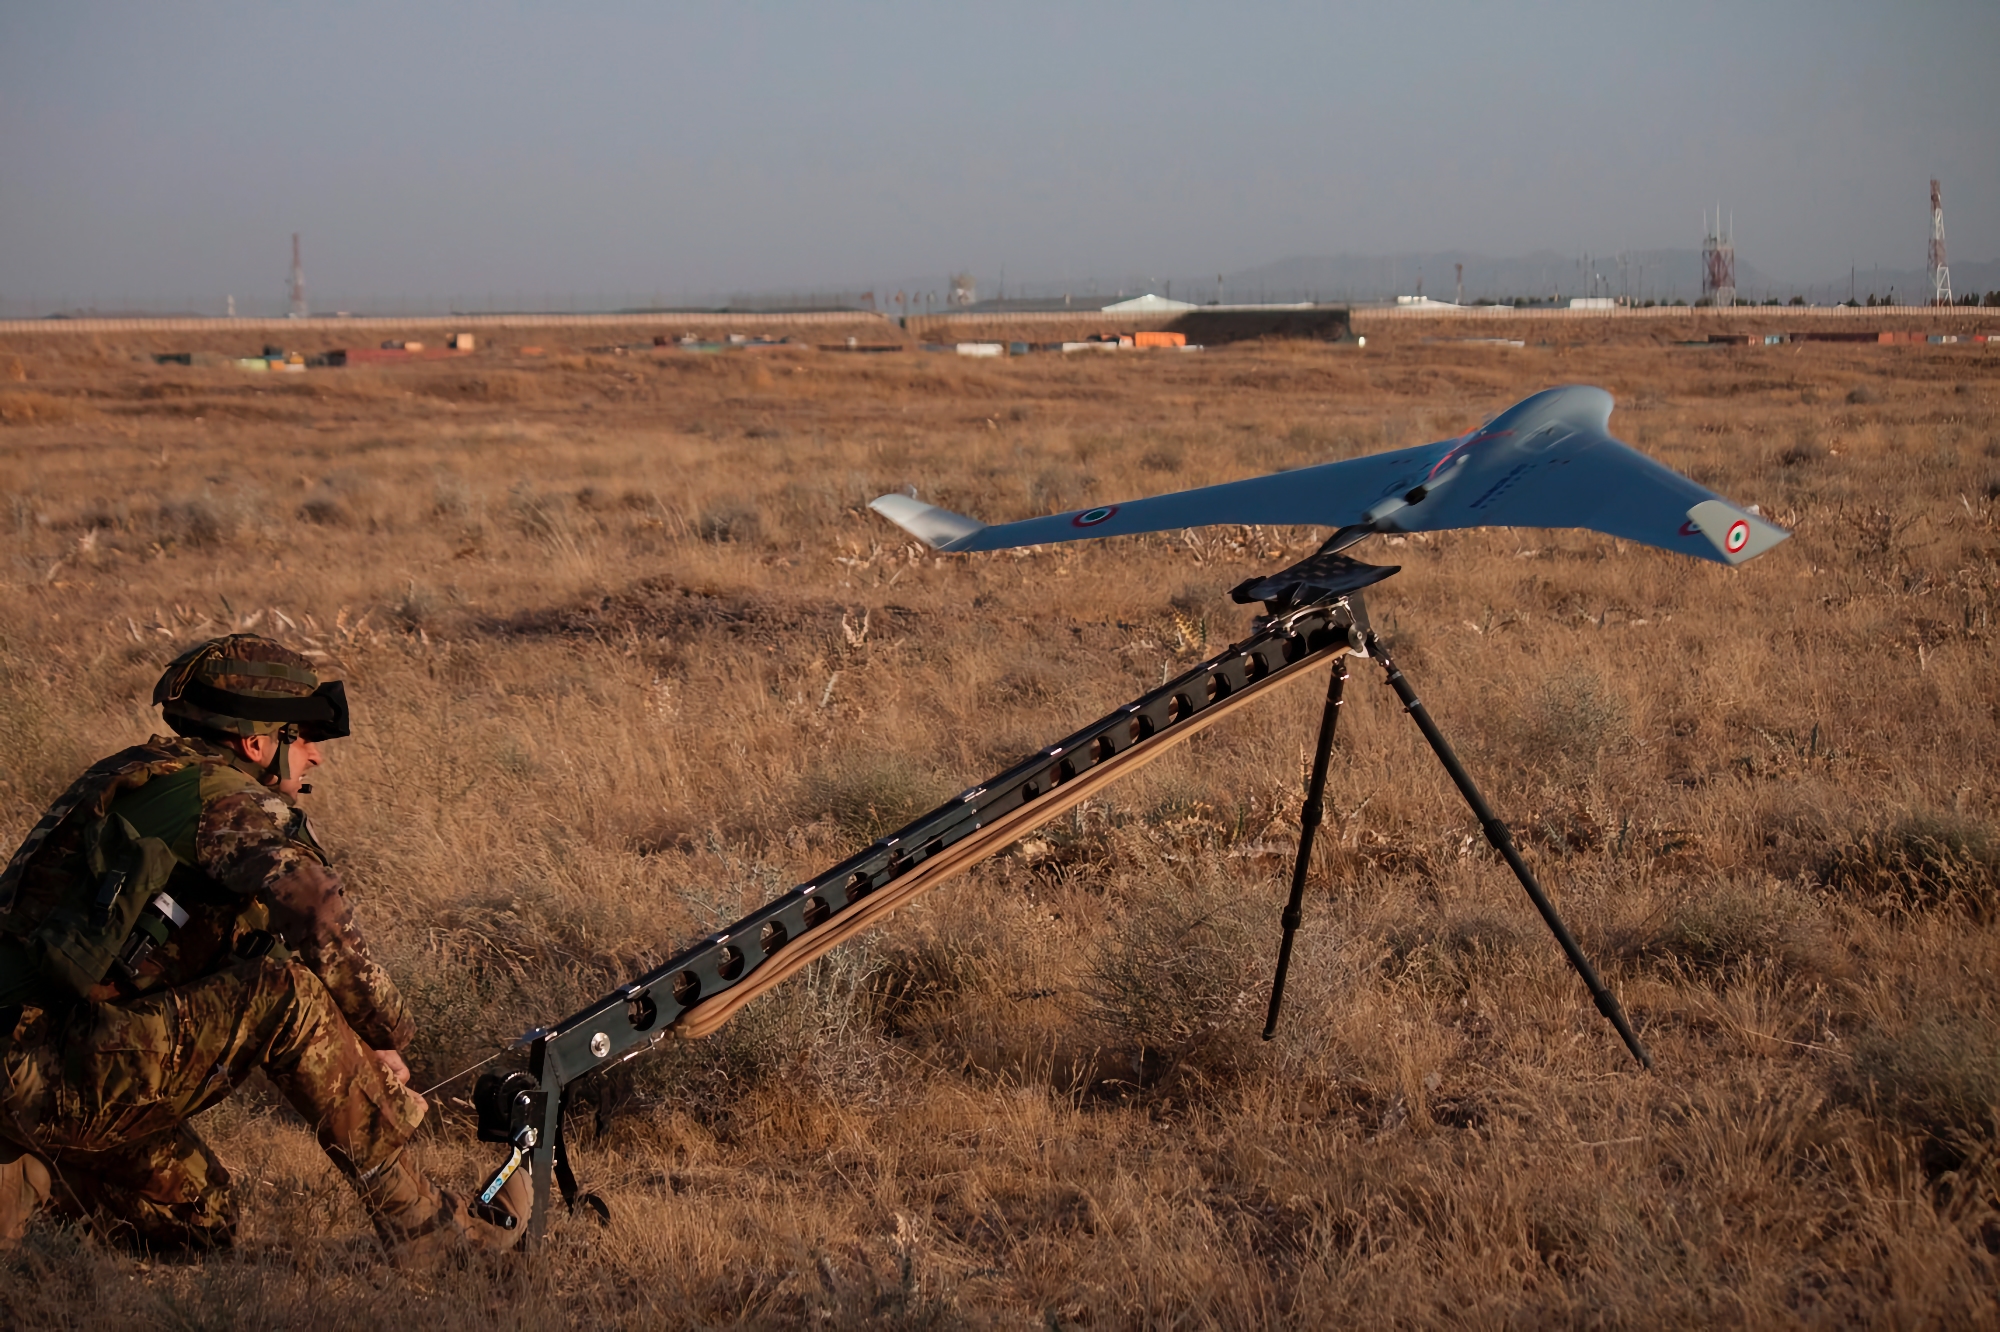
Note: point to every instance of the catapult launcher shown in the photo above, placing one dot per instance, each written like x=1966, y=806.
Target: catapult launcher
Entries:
x=1546, y=462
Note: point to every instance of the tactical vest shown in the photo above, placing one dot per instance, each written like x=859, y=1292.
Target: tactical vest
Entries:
x=97, y=886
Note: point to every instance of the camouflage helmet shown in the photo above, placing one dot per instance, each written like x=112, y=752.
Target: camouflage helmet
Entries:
x=245, y=685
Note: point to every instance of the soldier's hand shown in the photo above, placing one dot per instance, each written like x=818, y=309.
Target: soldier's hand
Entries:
x=400, y=1071
x=393, y=1061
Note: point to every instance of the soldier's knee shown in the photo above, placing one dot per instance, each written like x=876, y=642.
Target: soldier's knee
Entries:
x=285, y=983
x=290, y=1007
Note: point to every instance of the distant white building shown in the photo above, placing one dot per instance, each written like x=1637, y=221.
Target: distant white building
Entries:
x=1150, y=304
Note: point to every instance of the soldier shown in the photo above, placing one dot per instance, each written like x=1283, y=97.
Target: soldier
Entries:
x=170, y=925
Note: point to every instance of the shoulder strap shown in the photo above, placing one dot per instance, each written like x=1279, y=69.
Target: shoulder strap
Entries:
x=222, y=779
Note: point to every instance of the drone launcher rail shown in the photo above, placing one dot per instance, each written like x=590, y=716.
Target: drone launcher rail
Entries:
x=693, y=993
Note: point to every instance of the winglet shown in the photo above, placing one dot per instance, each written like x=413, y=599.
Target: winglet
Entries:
x=1737, y=535
x=927, y=522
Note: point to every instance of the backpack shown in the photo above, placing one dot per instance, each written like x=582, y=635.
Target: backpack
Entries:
x=87, y=891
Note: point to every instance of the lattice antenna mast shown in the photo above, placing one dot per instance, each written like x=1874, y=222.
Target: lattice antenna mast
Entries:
x=298, y=281
x=1718, y=262
x=1940, y=270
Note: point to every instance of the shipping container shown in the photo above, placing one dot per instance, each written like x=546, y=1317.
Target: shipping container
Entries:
x=1159, y=339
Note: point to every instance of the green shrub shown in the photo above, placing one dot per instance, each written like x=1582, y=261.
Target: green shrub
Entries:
x=1940, y=1076
x=1573, y=717
x=867, y=795
x=1736, y=928
x=729, y=522
x=1180, y=977
x=1922, y=861
x=1446, y=953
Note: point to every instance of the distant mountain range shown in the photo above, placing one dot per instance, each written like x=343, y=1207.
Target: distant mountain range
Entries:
x=1659, y=275
x=1663, y=275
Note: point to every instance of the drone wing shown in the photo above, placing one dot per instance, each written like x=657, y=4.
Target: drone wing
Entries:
x=1547, y=461
x=1327, y=494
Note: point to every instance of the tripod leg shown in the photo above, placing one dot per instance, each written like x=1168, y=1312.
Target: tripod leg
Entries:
x=1309, y=819
x=1503, y=842
x=546, y=1115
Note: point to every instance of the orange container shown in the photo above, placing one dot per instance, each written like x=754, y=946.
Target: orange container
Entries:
x=1159, y=339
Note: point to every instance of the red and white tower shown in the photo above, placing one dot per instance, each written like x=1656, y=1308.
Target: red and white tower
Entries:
x=1940, y=270
x=1718, y=262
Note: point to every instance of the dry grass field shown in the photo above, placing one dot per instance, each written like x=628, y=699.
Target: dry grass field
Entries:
x=628, y=655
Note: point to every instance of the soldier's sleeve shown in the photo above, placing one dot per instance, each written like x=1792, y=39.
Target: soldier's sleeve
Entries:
x=242, y=842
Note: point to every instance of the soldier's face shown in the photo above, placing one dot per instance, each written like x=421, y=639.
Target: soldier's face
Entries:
x=305, y=756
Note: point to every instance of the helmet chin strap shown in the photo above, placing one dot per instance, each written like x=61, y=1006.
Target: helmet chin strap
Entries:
x=279, y=769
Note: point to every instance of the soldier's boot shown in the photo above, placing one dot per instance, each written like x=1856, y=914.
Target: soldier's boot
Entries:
x=24, y=1187
x=420, y=1222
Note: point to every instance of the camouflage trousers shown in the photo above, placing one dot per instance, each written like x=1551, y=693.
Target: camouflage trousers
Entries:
x=103, y=1093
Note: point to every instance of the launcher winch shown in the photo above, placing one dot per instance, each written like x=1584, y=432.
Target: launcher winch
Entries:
x=1314, y=617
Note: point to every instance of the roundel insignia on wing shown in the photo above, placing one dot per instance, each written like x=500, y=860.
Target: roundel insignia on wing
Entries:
x=1092, y=517
x=1689, y=529
x=1738, y=538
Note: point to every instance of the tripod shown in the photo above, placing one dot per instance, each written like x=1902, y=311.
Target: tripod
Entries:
x=1496, y=833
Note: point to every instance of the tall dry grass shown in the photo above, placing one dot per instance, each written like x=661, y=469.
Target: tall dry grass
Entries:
x=628, y=654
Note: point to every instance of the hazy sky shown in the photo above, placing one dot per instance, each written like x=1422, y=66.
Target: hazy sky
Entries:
x=157, y=151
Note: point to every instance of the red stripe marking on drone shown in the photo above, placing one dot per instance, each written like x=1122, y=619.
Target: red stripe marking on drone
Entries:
x=1476, y=439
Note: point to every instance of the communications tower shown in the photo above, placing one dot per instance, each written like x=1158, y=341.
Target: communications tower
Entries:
x=1718, y=261
x=1940, y=270
x=298, y=281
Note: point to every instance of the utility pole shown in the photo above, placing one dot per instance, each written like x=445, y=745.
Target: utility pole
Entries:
x=298, y=281
x=1460, y=269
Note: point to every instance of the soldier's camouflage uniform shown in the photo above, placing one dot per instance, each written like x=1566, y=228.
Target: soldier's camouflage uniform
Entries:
x=269, y=971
